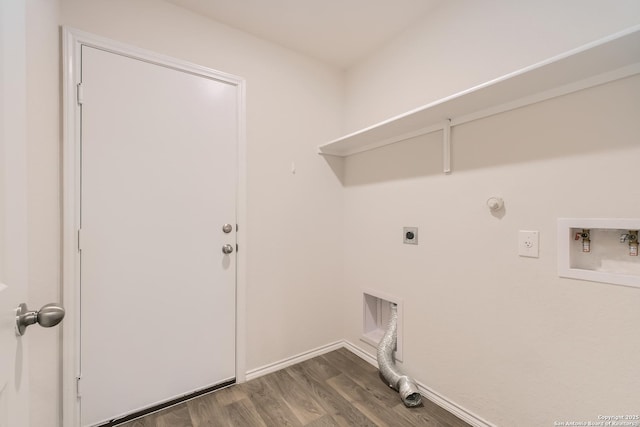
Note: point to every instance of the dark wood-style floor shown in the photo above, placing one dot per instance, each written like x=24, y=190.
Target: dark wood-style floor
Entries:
x=335, y=389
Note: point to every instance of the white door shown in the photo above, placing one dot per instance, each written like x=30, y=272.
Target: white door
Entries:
x=13, y=230
x=158, y=182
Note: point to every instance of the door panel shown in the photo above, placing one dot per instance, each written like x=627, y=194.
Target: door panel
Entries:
x=158, y=182
x=13, y=214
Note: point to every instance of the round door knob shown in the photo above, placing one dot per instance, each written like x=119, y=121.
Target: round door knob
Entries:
x=227, y=249
x=227, y=228
x=48, y=316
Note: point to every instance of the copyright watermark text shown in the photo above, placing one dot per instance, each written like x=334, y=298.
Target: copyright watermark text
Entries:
x=603, y=421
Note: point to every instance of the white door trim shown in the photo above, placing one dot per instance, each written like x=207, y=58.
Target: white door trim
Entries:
x=73, y=40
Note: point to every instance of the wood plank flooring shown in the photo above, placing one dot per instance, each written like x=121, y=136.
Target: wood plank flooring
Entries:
x=335, y=389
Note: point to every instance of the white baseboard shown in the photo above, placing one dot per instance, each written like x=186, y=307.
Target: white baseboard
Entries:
x=455, y=409
x=425, y=391
x=371, y=359
x=276, y=366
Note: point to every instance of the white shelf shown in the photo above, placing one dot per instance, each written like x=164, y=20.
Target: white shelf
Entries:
x=602, y=61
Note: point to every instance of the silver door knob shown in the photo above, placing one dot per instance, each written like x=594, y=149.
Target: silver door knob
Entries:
x=227, y=228
x=227, y=249
x=49, y=315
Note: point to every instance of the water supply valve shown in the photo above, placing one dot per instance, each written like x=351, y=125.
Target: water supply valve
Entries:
x=586, y=239
x=632, y=238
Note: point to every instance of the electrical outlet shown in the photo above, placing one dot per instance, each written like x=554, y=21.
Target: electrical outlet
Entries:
x=528, y=243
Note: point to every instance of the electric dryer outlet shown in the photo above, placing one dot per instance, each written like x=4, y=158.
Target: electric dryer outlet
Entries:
x=410, y=235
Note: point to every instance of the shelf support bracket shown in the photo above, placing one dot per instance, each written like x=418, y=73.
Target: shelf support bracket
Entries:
x=446, y=146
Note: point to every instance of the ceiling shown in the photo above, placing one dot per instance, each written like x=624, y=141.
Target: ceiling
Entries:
x=340, y=32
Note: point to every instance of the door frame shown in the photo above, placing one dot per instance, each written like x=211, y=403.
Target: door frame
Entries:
x=72, y=42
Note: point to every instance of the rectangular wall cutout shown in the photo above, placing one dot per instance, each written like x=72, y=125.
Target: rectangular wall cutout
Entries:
x=605, y=257
x=376, y=311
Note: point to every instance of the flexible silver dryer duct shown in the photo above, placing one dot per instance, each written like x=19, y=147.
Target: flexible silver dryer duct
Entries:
x=403, y=384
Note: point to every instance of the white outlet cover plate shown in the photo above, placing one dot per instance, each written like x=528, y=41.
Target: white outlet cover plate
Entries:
x=528, y=243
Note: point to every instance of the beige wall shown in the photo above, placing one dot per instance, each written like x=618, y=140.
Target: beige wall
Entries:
x=500, y=335
x=294, y=221
x=464, y=43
